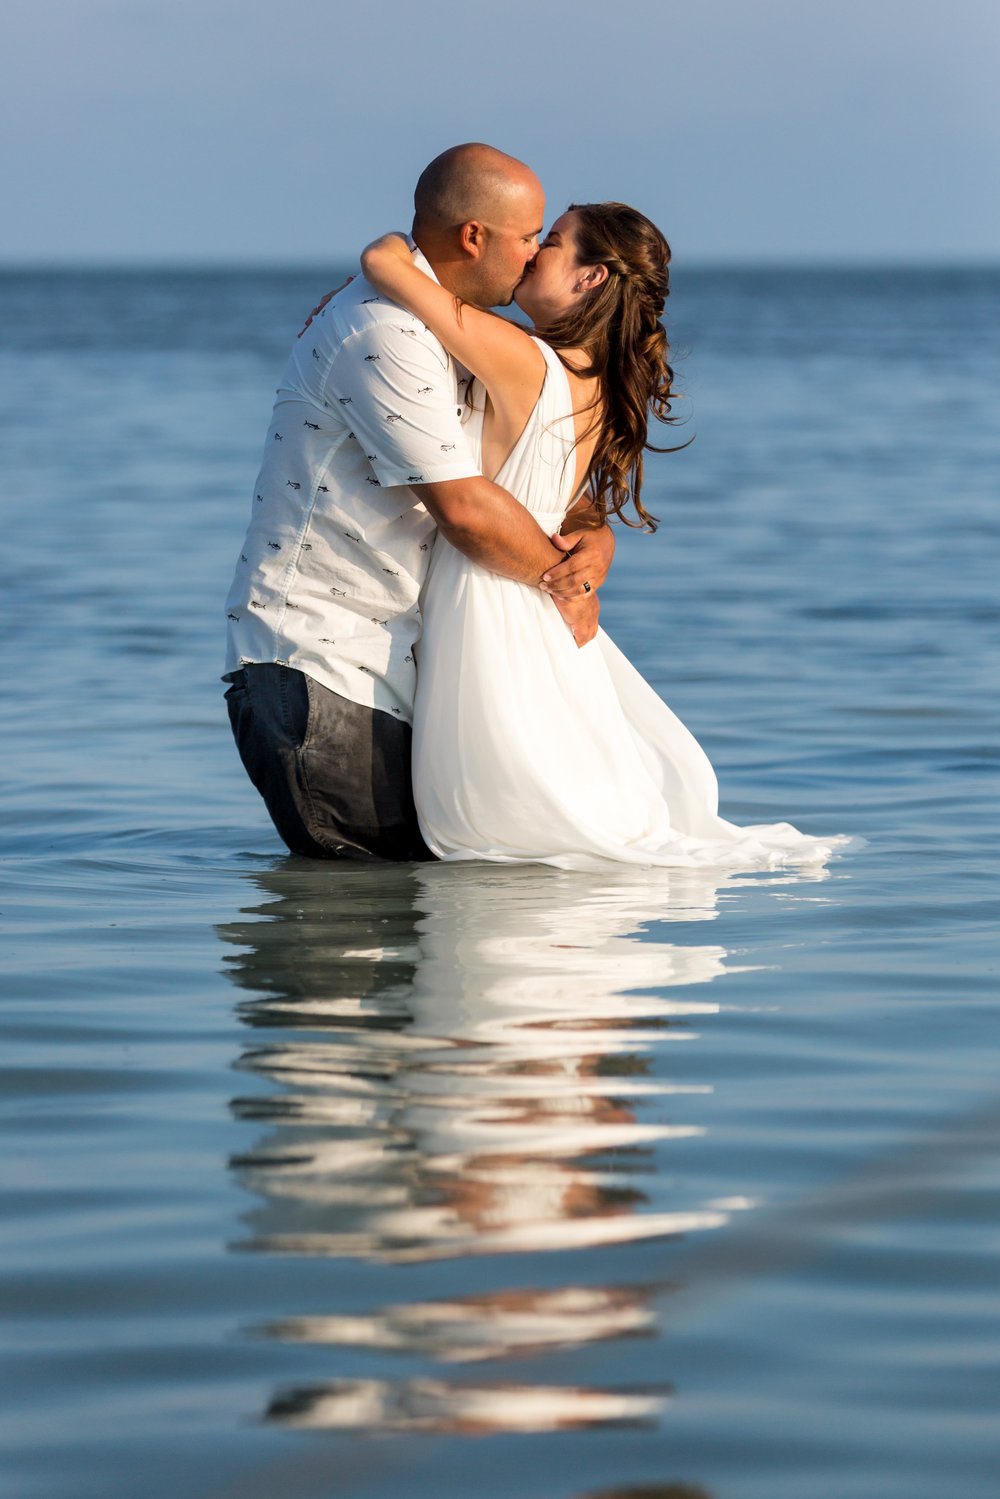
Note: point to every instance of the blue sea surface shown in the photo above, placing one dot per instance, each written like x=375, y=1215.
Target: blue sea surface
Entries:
x=633, y=1185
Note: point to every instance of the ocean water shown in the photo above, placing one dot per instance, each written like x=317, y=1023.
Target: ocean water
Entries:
x=339, y=1181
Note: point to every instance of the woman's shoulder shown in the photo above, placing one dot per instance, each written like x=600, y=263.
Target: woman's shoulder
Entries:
x=568, y=369
x=554, y=365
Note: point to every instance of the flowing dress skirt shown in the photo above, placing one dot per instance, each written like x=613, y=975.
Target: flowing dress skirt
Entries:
x=529, y=749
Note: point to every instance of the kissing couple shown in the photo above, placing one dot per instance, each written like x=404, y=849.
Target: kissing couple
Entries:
x=415, y=668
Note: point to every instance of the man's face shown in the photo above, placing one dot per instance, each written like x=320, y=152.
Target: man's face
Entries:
x=509, y=245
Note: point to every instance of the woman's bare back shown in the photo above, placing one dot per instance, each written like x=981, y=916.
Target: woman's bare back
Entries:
x=505, y=418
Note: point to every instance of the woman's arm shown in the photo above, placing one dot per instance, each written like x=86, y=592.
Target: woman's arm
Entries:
x=500, y=354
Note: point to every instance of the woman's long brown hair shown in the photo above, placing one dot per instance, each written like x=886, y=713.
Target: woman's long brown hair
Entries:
x=618, y=327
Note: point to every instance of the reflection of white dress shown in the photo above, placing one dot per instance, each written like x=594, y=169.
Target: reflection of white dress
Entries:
x=527, y=748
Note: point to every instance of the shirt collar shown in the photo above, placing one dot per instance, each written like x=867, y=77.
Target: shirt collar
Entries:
x=420, y=259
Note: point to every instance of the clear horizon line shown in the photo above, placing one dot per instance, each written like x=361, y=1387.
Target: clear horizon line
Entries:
x=696, y=262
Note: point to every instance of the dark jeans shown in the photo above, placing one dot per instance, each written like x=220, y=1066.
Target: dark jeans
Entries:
x=335, y=776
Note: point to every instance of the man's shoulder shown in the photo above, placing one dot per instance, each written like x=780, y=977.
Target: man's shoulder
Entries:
x=390, y=337
x=361, y=312
x=359, y=304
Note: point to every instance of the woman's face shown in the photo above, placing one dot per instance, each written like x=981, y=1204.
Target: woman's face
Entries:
x=550, y=285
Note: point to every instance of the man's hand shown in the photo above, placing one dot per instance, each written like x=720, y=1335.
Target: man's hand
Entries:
x=320, y=305
x=581, y=614
x=588, y=560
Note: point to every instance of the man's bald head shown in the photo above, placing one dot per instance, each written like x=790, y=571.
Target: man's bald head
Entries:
x=470, y=182
x=478, y=217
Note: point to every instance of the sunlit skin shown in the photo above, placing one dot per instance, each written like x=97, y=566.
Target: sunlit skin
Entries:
x=483, y=259
x=500, y=354
x=484, y=264
x=555, y=281
x=506, y=361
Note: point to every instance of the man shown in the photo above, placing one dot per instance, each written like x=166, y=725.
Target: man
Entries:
x=364, y=455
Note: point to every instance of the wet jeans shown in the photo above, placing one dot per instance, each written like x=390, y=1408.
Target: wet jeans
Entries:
x=334, y=775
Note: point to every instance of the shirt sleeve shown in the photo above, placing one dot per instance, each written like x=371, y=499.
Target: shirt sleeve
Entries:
x=396, y=388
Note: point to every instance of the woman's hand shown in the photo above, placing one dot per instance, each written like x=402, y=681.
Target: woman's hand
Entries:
x=585, y=567
x=320, y=305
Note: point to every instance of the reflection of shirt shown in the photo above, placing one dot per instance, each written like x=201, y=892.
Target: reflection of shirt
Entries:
x=338, y=547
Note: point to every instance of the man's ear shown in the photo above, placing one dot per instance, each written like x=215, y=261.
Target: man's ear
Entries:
x=591, y=277
x=471, y=237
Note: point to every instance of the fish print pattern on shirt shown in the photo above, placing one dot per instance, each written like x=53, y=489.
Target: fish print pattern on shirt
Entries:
x=319, y=548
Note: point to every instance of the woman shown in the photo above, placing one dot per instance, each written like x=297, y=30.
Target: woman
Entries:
x=527, y=749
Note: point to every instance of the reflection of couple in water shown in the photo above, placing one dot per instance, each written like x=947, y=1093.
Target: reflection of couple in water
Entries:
x=469, y=1064
x=404, y=565
x=472, y=1047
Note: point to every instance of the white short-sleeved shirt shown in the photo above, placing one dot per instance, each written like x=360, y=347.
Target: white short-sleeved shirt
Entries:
x=338, y=546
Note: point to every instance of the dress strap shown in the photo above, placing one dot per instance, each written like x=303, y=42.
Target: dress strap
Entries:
x=560, y=382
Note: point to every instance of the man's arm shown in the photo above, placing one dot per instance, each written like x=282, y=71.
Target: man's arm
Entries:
x=396, y=389
x=489, y=526
x=492, y=528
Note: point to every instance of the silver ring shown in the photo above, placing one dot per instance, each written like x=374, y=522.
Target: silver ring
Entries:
x=586, y=587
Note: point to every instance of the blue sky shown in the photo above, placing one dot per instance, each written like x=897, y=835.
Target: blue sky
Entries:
x=751, y=130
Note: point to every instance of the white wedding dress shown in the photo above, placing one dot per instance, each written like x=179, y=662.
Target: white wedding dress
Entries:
x=527, y=749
